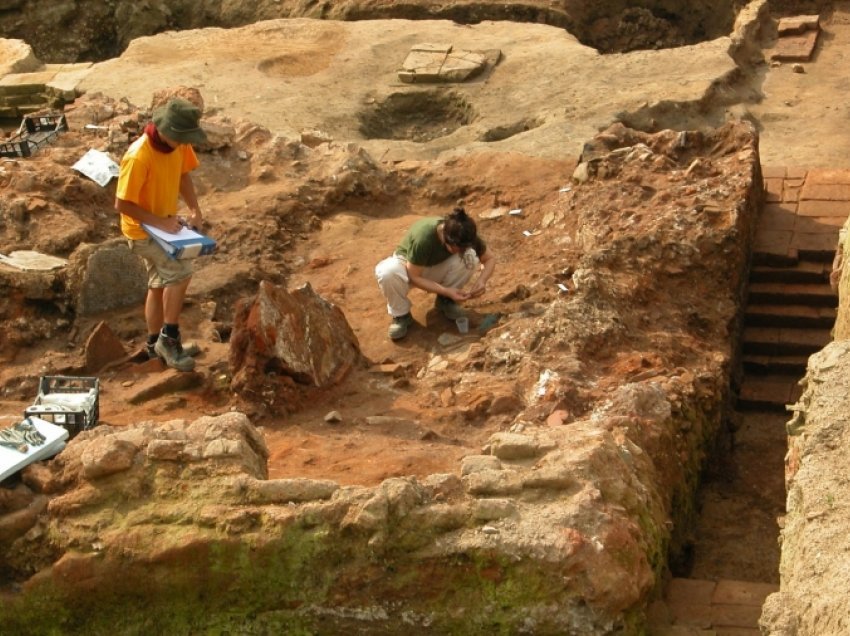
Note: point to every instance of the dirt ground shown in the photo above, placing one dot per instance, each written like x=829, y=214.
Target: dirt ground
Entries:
x=802, y=120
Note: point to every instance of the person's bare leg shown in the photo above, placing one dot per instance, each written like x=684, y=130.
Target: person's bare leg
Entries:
x=153, y=310
x=172, y=301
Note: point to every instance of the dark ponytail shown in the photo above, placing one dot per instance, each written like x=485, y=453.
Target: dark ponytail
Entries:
x=459, y=229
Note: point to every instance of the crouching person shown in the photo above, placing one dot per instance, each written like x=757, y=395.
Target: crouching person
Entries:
x=439, y=255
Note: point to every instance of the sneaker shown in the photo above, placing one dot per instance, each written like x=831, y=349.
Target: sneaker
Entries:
x=449, y=308
x=190, y=349
x=399, y=327
x=171, y=353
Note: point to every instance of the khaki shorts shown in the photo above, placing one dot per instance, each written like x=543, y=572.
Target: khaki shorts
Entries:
x=163, y=271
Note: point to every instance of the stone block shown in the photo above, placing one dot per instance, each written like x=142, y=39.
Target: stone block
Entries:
x=742, y=592
x=773, y=172
x=824, y=208
x=795, y=48
x=107, y=276
x=690, y=591
x=735, y=615
x=776, y=242
x=773, y=190
x=797, y=24
x=825, y=192
x=777, y=216
x=820, y=176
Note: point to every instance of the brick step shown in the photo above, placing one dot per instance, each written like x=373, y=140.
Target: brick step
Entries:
x=784, y=341
x=800, y=272
x=799, y=316
x=774, y=259
x=768, y=393
x=775, y=365
x=792, y=294
x=822, y=254
x=693, y=606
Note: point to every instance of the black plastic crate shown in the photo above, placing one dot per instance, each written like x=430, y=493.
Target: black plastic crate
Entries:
x=43, y=123
x=48, y=405
x=34, y=132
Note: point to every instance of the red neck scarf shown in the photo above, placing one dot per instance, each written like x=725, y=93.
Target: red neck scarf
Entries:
x=156, y=141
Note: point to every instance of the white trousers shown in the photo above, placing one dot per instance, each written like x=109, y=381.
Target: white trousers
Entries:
x=395, y=285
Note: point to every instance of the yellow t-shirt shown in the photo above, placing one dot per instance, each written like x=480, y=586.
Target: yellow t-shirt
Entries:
x=151, y=180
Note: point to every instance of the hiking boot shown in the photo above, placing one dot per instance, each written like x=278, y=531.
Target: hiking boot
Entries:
x=191, y=349
x=399, y=327
x=172, y=354
x=449, y=308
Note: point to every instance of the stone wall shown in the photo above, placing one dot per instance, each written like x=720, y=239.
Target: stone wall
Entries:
x=815, y=564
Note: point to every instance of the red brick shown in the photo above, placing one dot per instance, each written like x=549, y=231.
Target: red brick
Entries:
x=796, y=173
x=778, y=216
x=774, y=241
x=773, y=172
x=822, y=242
x=735, y=615
x=818, y=176
x=823, y=208
x=742, y=592
x=825, y=192
x=818, y=225
x=773, y=189
x=797, y=48
x=691, y=591
x=691, y=615
x=790, y=193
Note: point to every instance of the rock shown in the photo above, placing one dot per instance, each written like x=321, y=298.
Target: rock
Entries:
x=106, y=456
x=298, y=333
x=102, y=347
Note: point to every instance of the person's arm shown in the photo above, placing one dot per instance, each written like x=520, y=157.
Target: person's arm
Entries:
x=190, y=198
x=414, y=274
x=170, y=224
x=488, y=260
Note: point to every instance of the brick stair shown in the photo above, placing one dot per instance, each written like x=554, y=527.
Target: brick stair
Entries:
x=720, y=608
x=789, y=316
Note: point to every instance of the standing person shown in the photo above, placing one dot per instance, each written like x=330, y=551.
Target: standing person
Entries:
x=439, y=255
x=154, y=172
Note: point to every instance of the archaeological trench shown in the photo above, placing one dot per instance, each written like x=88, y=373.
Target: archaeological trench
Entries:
x=568, y=443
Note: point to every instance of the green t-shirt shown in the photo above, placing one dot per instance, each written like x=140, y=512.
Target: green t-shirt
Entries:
x=421, y=245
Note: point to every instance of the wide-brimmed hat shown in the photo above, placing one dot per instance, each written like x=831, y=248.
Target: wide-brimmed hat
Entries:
x=180, y=120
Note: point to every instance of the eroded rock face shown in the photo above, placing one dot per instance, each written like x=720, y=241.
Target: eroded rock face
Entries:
x=815, y=542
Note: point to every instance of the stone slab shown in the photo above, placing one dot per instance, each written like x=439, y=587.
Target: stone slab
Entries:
x=791, y=191
x=773, y=172
x=795, y=48
x=825, y=192
x=777, y=216
x=773, y=189
x=735, y=615
x=31, y=261
x=690, y=591
x=819, y=176
x=824, y=208
x=742, y=592
x=27, y=79
x=65, y=82
x=797, y=24
x=822, y=242
x=818, y=225
x=776, y=242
